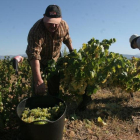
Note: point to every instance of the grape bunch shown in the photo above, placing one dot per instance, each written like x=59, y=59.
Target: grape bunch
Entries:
x=41, y=115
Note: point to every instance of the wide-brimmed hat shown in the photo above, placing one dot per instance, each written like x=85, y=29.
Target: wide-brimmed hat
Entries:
x=52, y=14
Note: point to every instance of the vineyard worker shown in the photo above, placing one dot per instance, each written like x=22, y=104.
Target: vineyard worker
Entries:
x=16, y=60
x=135, y=41
x=135, y=44
x=44, y=43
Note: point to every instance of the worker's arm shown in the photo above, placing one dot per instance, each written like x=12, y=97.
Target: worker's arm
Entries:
x=70, y=47
x=38, y=81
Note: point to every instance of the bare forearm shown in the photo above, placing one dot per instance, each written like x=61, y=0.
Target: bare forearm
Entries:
x=39, y=83
x=70, y=47
x=35, y=66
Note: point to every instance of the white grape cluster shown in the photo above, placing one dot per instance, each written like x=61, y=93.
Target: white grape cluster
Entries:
x=42, y=114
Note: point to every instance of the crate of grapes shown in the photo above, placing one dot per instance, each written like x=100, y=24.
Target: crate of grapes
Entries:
x=41, y=118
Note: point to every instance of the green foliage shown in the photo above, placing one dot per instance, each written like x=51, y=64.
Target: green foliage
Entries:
x=13, y=88
x=92, y=67
x=64, y=52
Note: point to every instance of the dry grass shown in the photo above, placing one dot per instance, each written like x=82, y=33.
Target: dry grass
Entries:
x=118, y=109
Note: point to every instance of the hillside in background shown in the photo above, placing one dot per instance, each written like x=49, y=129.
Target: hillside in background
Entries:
x=125, y=55
x=11, y=56
x=130, y=56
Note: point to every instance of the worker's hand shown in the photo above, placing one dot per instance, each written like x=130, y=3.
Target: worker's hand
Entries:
x=40, y=88
x=70, y=51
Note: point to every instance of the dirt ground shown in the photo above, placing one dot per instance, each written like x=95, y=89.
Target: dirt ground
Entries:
x=119, y=111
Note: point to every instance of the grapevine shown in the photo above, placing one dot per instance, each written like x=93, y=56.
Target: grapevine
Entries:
x=94, y=67
x=90, y=68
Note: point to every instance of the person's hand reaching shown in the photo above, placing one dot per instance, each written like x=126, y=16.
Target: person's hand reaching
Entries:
x=40, y=88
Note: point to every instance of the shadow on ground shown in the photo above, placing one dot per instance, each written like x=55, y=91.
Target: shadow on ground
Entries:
x=111, y=106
